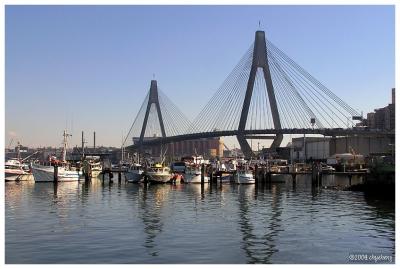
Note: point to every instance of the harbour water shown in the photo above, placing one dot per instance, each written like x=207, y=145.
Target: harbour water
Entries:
x=99, y=222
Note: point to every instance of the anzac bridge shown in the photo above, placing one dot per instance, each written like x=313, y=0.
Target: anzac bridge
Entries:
x=265, y=96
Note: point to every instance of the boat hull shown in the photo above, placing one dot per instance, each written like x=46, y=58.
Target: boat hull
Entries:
x=133, y=177
x=12, y=177
x=46, y=174
x=245, y=179
x=277, y=178
x=226, y=179
x=158, y=178
x=14, y=174
x=195, y=178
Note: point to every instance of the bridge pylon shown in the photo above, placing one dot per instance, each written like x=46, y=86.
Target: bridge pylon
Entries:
x=153, y=99
x=260, y=60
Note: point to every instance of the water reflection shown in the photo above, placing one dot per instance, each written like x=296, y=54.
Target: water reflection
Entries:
x=259, y=242
x=151, y=204
x=96, y=221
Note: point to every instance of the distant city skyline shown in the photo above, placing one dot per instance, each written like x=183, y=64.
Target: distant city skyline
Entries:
x=88, y=68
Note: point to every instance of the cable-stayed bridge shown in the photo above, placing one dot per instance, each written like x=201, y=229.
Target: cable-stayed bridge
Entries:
x=266, y=95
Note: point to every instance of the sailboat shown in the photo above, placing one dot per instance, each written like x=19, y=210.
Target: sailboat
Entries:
x=57, y=170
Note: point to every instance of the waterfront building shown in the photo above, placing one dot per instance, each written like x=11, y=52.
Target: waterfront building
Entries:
x=320, y=148
x=207, y=147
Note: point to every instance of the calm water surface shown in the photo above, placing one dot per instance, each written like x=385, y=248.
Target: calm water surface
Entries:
x=125, y=223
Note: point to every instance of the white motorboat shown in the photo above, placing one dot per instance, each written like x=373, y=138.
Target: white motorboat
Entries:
x=134, y=173
x=14, y=170
x=193, y=175
x=244, y=177
x=158, y=174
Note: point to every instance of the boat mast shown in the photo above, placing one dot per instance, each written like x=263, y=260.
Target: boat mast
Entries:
x=18, y=151
x=64, y=152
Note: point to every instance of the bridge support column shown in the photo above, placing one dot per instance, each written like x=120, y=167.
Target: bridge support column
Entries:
x=260, y=60
x=245, y=147
x=153, y=99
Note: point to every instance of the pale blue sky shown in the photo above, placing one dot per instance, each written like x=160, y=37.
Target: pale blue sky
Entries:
x=89, y=67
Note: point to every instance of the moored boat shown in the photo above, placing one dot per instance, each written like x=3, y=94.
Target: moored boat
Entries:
x=46, y=173
x=193, y=175
x=244, y=176
x=13, y=170
x=226, y=179
x=134, y=174
x=158, y=174
x=56, y=170
x=92, y=166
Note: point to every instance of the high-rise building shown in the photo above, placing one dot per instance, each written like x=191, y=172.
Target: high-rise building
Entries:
x=393, y=96
x=383, y=118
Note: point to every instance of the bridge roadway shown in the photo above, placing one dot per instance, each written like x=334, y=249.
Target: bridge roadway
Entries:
x=247, y=133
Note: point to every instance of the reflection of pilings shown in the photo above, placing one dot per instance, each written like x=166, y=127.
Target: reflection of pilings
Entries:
x=85, y=191
x=151, y=218
x=55, y=189
x=258, y=250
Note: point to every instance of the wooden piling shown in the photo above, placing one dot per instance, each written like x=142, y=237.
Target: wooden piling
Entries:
x=294, y=179
x=350, y=177
x=320, y=178
x=263, y=178
x=314, y=175
x=256, y=174
x=110, y=175
x=202, y=174
x=55, y=173
x=269, y=177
